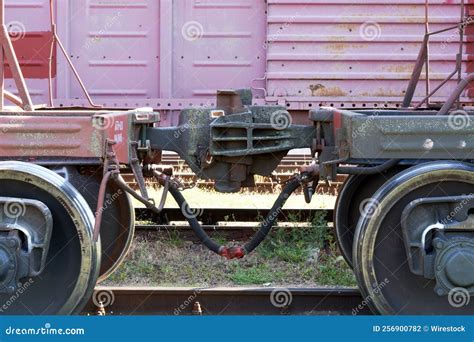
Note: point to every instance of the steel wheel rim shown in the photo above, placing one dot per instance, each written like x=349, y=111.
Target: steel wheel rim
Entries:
x=368, y=228
x=347, y=212
x=118, y=220
x=341, y=219
x=82, y=218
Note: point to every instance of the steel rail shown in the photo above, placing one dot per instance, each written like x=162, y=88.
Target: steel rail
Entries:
x=228, y=232
x=226, y=301
x=212, y=216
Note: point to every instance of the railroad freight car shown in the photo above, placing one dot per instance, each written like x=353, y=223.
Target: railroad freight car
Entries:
x=404, y=219
x=171, y=55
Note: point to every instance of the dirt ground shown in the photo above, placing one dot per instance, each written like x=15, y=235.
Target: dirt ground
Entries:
x=307, y=256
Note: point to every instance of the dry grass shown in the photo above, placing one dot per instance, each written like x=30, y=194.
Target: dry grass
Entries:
x=302, y=258
x=199, y=198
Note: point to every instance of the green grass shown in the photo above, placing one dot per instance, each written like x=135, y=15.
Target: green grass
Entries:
x=295, y=245
x=335, y=271
x=254, y=275
x=175, y=239
x=304, y=256
x=138, y=264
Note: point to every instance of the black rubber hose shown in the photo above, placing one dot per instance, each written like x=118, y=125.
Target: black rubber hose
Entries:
x=269, y=221
x=368, y=170
x=192, y=220
x=259, y=236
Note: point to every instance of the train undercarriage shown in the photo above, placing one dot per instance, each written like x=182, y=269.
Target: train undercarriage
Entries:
x=404, y=218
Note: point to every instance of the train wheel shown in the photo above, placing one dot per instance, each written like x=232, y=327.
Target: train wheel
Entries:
x=353, y=197
x=414, y=252
x=118, y=218
x=46, y=239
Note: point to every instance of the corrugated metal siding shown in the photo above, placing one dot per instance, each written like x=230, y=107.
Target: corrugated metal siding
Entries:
x=346, y=52
x=227, y=51
x=22, y=16
x=134, y=53
x=173, y=53
x=115, y=47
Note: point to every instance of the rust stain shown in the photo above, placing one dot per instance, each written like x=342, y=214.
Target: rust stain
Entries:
x=342, y=47
x=321, y=90
x=400, y=68
x=338, y=47
x=346, y=26
x=382, y=92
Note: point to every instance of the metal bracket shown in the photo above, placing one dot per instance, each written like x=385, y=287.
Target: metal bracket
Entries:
x=25, y=233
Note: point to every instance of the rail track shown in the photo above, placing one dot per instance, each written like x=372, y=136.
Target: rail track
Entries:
x=287, y=168
x=226, y=301
x=227, y=232
x=212, y=216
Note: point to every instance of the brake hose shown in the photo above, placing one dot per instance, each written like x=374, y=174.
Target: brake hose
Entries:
x=236, y=252
x=371, y=170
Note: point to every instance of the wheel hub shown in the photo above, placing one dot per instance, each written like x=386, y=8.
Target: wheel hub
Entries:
x=25, y=232
x=454, y=264
x=443, y=251
x=11, y=261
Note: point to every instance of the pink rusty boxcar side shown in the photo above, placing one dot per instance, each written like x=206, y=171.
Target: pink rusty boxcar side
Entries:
x=174, y=54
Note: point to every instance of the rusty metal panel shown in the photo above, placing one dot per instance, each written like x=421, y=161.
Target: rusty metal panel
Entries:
x=347, y=53
x=418, y=137
x=71, y=136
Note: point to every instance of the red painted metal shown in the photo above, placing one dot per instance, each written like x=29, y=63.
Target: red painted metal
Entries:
x=50, y=135
x=11, y=58
x=32, y=52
